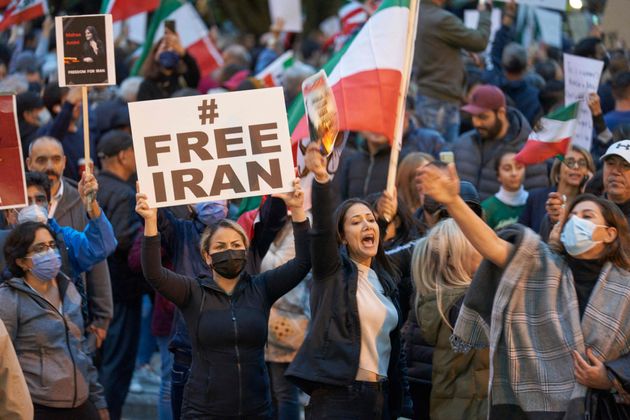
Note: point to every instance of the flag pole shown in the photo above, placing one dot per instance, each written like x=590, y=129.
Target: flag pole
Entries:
x=412, y=28
x=86, y=128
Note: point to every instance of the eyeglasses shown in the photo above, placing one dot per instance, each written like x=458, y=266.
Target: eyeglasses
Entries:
x=575, y=164
x=42, y=247
x=39, y=199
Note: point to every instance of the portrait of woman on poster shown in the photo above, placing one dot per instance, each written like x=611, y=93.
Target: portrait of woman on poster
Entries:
x=93, y=47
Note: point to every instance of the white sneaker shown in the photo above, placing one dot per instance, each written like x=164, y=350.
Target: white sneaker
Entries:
x=135, y=387
x=147, y=375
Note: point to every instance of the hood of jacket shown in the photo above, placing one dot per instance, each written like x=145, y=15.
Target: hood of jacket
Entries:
x=428, y=312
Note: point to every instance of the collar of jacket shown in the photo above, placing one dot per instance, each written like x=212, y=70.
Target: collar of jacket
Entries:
x=19, y=283
x=207, y=282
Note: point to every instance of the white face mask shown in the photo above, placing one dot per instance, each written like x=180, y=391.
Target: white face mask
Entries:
x=33, y=213
x=43, y=117
x=577, y=236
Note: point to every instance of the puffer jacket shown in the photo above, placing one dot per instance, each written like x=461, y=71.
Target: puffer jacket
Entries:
x=475, y=157
x=460, y=381
x=49, y=344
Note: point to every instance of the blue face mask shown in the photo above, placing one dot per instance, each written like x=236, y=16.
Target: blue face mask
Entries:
x=577, y=236
x=209, y=212
x=168, y=59
x=46, y=265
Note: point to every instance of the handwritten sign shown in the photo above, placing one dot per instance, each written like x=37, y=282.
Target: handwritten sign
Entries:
x=581, y=77
x=212, y=147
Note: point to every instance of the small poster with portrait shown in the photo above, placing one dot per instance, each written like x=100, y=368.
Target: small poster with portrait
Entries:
x=85, y=50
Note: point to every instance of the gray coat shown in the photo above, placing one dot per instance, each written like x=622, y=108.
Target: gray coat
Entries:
x=439, y=43
x=475, y=158
x=71, y=212
x=49, y=345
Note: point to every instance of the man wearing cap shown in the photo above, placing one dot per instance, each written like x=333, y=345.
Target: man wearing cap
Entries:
x=439, y=67
x=31, y=115
x=45, y=154
x=498, y=129
x=617, y=175
x=117, y=198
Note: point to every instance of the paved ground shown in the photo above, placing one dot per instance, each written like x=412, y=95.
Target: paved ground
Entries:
x=143, y=405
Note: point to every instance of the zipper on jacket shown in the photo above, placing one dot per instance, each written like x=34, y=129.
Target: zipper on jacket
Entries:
x=238, y=359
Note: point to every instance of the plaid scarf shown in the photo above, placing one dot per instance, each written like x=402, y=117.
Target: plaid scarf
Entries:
x=528, y=315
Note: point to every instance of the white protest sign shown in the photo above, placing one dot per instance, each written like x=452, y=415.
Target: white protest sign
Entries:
x=471, y=20
x=85, y=50
x=290, y=11
x=136, y=27
x=550, y=25
x=209, y=147
x=549, y=4
x=581, y=77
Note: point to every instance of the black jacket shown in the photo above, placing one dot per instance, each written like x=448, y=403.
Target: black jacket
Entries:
x=330, y=352
x=362, y=173
x=228, y=376
x=117, y=199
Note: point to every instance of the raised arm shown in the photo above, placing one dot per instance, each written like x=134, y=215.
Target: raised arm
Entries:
x=285, y=277
x=443, y=186
x=325, y=257
x=172, y=286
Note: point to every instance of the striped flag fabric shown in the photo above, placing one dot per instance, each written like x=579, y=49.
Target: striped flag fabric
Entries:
x=124, y=9
x=19, y=11
x=551, y=137
x=192, y=31
x=365, y=75
x=272, y=75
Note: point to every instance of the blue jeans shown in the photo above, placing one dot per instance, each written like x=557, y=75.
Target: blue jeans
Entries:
x=442, y=116
x=359, y=401
x=119, y=354
x=179, y=376
x=165, y=411
x=147, y=344
x=285, y=395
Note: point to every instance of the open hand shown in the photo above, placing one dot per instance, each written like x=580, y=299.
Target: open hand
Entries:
x=142, y=206
x=442, y=184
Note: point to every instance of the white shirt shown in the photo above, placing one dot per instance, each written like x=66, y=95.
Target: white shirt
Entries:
x=377, y=317
x=54, y=200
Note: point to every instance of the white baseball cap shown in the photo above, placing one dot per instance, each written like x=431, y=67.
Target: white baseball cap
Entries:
x=621, y=148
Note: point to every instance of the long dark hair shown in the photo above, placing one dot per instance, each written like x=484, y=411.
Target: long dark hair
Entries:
x=94, y=33
x=617, y=252
x=19, y=241
x=382, y=261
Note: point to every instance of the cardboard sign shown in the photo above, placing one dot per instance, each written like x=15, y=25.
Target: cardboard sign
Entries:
x=549, y=4
x=550, y=25
x=85, y=50
x=12, y=180
x=321, y=109
x=212, y=147
x=290, y=11
x=581, y=77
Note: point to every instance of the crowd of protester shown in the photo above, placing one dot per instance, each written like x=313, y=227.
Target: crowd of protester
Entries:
x=479, y=287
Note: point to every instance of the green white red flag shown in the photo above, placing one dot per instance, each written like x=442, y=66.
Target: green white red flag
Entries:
x=552, y=137
x=19, y=11
x=124, y=9
x=193, y=34
x=272, y=75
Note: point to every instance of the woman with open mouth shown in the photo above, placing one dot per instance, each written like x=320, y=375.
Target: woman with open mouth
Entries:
x=350, y=360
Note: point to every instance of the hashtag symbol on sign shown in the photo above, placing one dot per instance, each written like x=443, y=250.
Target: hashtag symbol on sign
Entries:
x=208, y=112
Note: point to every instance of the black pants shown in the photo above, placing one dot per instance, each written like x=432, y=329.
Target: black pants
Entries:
x=421, y=396
x=361, y=400
x=179, y=377
x=85, y=411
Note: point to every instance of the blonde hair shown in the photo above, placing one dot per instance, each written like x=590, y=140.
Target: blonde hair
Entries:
x=554, y=174
x=206, y=236
x=438, y=263
x=405, y=178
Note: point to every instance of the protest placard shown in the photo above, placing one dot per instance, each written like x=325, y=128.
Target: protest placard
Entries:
x=471, y=20
x=321, y=109
x=290, y=11
x=85, y=50
x=12, y=181
x=550, y=25
x=549, y=4
x=581, y=77
x=210, y=147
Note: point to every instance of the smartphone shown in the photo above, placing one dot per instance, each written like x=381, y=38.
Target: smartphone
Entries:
x=447, y=157
x=170, y=25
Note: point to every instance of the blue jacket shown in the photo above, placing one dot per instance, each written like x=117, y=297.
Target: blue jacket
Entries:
x=87, y=248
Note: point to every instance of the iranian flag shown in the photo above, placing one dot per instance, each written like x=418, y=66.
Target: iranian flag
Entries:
x=366, y=75
x=193, y=34
x=552, y=137
x=19, y=11
x=124, y=9
x=272, y=75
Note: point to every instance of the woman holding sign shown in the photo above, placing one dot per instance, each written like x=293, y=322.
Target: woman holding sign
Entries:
x=350, y=360
x=226, y=314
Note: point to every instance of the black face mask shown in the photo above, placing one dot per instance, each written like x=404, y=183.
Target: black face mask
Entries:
x=230, y=263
